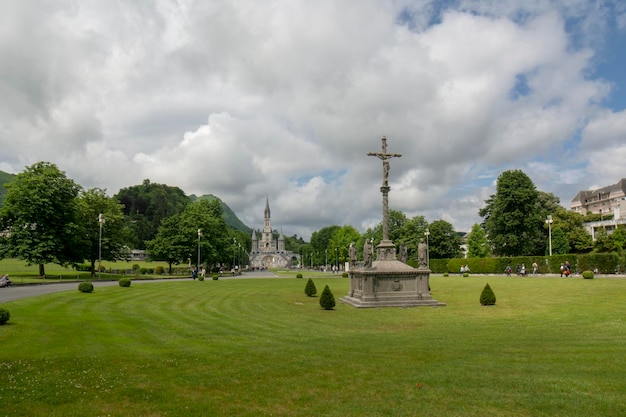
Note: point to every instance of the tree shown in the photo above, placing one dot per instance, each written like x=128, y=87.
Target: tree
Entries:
x=341, y=239
x=513, y=225
x=320, y=243
x=310, y=289
x=487, y=296
x=147, y=205
x=560, y=244
x=177, y=238
x=327, y=299
x=112, y=245
x=443, y=242
x=39, y=215
x=477, y=243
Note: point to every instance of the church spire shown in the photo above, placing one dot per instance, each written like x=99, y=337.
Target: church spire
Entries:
x=267, y=208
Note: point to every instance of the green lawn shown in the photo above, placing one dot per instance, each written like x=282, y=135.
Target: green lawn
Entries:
x=260, y=347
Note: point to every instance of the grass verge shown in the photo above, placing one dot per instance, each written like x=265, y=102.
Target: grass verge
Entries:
x=255, y=347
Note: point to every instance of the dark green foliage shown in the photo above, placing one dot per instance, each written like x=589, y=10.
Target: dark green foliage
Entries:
x=4, y=315
x=444, y=242
x=159, y=270
x=327, y=299
x=487, y=297
x=512, y=222
x=299, y=276
x=344, y=275
x=310, y=288
x=216, y=277
x=200, y=278
x=124, y=282
x=588, y=274
x=85, y=287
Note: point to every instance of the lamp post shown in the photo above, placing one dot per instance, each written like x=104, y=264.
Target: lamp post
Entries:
x=427, y=233
x=199, y=236
x=337, y=260
x=325, y=259
x=239, y=258
x=549, y=221
x=234, y=249
x=101, y=223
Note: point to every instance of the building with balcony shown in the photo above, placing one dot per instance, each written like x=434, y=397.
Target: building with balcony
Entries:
x=609, y=201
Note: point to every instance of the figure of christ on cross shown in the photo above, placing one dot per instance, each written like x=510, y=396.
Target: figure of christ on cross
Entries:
x=385, y=158
x=385, y=188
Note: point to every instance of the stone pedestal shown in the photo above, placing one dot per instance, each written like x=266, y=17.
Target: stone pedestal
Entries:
x=389, y=283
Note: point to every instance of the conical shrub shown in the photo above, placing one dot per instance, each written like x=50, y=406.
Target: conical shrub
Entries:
x=487, y=297
x=310, y=288
x=327, y=299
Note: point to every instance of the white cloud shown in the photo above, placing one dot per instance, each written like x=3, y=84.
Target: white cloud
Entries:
x=247, y=100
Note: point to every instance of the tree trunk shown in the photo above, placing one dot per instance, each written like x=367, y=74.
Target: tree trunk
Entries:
x=42, y=271
x=93, y=268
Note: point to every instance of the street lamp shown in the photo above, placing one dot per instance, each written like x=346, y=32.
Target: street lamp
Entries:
x=239, y=258
x=325, y=259
x=337, y=260
x=101, y=222
x=427, y=233
x=199, y=236
x=234, y=249
x=549, y=221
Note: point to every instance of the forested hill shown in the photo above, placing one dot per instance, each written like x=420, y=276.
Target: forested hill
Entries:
x=4, y=178
x=230, y=217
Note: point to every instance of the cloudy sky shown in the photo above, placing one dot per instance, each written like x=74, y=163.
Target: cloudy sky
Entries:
x=248, y=99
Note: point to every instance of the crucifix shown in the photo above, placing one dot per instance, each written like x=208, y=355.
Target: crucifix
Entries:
x=384, y=156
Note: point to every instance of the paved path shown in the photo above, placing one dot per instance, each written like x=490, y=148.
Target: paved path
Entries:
x=17, y=292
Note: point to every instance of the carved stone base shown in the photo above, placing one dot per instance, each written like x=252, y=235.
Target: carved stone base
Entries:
x=390, y=283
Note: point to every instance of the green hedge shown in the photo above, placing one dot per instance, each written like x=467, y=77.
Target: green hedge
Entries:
x=605, y=263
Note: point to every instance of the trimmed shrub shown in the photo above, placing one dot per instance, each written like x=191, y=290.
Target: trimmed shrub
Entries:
x=588, y=274
x=159, y=270
x=345, y=275
x=327, y=299
x=310, y=288
x=124, y=282
x=85, y=287
x=487, y=297
x=465, y=275
x=216, y=277
x=445, y=274
x=298, y=275
x=200, y=278
x=4, y=315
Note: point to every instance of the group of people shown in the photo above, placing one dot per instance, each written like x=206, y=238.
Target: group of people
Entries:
x=566, y=269
x=5, y=281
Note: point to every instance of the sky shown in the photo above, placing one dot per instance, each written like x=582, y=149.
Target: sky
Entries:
x=283, y=99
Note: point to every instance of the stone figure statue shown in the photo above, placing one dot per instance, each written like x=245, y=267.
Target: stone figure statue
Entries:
x=403, y=253
x=422, y=253
x=367, y=253
x=352, y=255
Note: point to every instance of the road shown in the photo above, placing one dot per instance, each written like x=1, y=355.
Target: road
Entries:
x=17, y=292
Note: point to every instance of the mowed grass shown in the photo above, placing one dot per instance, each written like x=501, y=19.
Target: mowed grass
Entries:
x=260, y=347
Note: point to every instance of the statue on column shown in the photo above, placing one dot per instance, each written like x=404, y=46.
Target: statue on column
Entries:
x=422, y=253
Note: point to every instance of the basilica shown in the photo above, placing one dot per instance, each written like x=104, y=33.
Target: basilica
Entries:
x=267, y=252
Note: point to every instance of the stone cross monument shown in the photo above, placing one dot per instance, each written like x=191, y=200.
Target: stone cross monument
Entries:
x=386, y=248
x=388, y=282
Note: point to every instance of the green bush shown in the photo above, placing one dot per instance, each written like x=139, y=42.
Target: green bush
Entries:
x=327, y=300
x=445, y=274
x=83, y=267
x=216, y=277
x=4, y=315
x=588, y=274
x=310, y=288
x=159, y=270
x=465, y=274
x=124, y=282
x=200, y=278
x=298, y=275
x=136, y=267
x=85, y=287
x=345, y=275
x=487, y=297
